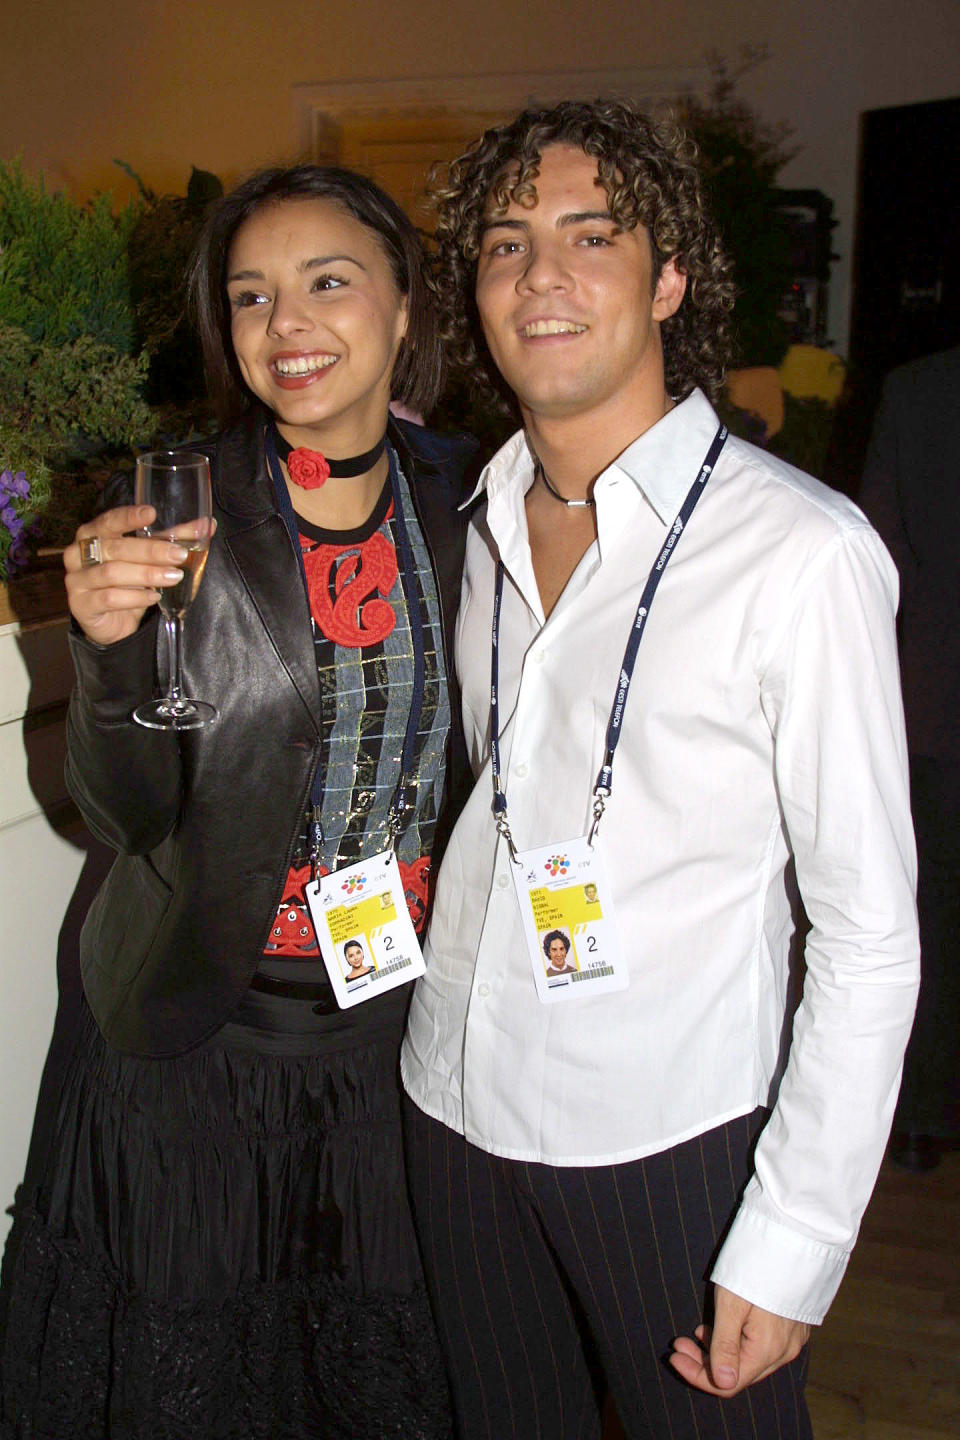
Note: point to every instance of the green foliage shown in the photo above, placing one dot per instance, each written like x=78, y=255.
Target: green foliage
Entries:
x=16, y=454
x=64, y=268
x=64, y=397
x=741, y=157
x=96, y=355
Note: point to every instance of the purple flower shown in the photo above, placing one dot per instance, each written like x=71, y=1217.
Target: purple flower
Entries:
x=14, y=486
x=14, y=492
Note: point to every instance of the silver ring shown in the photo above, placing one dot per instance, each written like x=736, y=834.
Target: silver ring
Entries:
x=90, y=553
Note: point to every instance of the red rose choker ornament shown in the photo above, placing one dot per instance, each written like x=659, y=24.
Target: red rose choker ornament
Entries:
x=308, y=468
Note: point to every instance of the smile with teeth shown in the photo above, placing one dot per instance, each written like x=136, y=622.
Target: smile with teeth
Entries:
x=303, y=364
x=535, y=328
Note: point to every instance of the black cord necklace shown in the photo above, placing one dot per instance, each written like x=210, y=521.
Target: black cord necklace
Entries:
x=570, y=504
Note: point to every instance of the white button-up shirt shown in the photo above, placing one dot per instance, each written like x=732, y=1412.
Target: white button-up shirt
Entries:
x=763, y=732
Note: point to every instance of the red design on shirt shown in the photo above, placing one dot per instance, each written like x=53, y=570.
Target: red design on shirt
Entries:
x=358, y=572
x=416, y=889
x=292, y=932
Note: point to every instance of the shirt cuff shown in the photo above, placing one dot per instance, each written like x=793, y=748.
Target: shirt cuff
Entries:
x=778, y=1269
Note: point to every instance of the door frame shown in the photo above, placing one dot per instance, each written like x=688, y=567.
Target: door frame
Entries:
x=321, y=108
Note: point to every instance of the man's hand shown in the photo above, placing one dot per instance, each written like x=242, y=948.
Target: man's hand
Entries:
x=744, y=1345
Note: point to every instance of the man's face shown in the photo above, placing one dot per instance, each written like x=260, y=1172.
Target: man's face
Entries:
x=568, y=305
x=558, y=954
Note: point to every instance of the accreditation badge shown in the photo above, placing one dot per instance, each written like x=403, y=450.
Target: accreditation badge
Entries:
x=568, y=921
x=364, y=929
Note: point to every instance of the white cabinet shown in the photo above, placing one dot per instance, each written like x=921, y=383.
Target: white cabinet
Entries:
x=42, y=852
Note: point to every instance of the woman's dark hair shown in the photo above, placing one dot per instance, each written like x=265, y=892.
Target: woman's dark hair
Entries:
x=549, y=938
x=650, y=173
x=418, y=372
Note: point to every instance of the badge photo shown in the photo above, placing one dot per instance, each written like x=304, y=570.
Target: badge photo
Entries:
x=568, y=921
x=366, y=936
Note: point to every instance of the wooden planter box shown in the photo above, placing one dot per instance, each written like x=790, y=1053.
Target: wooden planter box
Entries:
x=36, y=593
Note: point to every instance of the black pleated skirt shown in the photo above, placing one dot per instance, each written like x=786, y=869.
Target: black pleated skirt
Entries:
x=222, y=1247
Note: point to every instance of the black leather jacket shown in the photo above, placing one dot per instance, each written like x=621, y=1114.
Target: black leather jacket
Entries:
x=205, y=821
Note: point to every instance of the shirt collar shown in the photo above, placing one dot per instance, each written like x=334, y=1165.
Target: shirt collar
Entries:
x=662, y=462
x=512, y=460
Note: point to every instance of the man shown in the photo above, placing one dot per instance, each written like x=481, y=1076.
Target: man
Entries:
x=556, y=947
x=578, y=1157
x=912, y=495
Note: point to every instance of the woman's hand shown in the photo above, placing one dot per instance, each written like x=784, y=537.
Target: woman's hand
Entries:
x=108, y=598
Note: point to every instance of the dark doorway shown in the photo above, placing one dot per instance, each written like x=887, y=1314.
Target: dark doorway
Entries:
x=906, y=277
x=906, y=296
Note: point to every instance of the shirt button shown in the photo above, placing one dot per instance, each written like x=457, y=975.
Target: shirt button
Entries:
x=520, y=769
x=483, y=990
x=503, y=882
x=538, y=658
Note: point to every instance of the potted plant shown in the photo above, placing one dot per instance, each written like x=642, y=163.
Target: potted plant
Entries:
x=95, y=359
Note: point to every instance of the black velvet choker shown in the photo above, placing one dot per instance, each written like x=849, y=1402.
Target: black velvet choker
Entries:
x=310, y=469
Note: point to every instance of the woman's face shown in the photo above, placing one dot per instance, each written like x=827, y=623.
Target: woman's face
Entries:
x=316, y=320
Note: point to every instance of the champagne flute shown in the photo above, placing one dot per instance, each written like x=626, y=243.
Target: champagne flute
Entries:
x=177, y=484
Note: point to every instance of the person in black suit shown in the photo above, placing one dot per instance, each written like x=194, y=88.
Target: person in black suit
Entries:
x=911, y=492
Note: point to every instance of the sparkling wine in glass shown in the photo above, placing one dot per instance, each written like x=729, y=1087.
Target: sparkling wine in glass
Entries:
x=177, y=484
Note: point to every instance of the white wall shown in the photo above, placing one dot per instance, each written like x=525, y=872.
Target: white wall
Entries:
x=39, y=869
x=167, y=83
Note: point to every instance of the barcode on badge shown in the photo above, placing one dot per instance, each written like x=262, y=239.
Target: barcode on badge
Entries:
x=389, y=969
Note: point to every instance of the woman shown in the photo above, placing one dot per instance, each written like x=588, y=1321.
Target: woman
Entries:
x=221, y=1244
x=357, y=961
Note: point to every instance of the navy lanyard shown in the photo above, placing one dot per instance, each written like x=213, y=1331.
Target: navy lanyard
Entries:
x=604, y=785
x=405, y=795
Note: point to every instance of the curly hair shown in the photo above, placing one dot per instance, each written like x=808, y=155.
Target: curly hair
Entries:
x=650, y=173
x=418, y=371
x=549, y=938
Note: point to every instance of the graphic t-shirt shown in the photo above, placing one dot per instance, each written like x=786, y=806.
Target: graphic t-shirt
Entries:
x=364, y=655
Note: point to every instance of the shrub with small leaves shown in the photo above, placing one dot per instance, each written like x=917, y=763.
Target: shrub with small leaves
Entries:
x=96, y=357
x=64, y=267
x=62, y=398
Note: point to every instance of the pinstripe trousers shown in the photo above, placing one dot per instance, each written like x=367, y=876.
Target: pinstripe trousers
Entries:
x=553, y=1284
